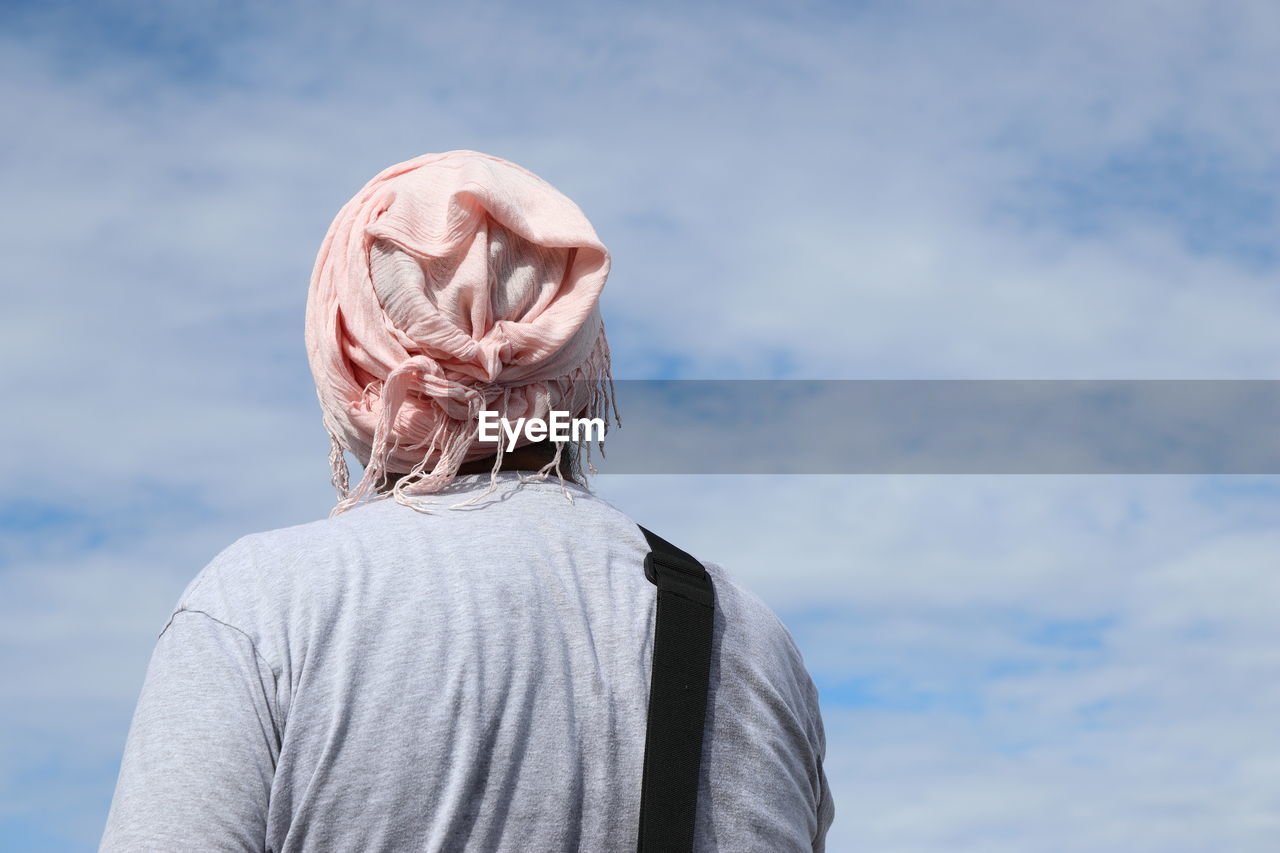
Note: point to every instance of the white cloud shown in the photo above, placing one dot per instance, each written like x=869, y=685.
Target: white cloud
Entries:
x=1018, y=663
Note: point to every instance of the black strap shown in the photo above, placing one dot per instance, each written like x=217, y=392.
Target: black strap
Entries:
x=677, y=697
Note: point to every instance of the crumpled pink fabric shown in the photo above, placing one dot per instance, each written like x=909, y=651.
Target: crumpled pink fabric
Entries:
x=452, y=283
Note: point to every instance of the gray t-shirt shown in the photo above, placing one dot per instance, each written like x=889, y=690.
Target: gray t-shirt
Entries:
x=477, y=679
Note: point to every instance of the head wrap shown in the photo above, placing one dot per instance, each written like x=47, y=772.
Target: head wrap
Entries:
x=449, y=284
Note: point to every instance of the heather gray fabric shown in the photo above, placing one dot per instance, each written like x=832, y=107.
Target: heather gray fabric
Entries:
x=473, y=680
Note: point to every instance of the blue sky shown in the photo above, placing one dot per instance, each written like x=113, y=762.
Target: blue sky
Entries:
x=804, y=190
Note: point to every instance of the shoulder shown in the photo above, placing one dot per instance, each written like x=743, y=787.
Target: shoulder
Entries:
x=755, y=639
x=246, y=570
x=748, y=617
x=269, y=563
x=265, y=580
x=764, y=684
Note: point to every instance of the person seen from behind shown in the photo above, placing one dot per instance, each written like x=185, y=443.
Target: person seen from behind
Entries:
x=458, y=658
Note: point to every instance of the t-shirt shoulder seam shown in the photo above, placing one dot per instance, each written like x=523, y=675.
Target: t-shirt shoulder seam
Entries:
x=252, y=644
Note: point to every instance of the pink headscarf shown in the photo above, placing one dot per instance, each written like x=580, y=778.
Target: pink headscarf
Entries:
x=452, y=283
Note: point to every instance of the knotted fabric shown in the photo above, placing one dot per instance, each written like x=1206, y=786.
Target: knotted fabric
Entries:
x=452, y=283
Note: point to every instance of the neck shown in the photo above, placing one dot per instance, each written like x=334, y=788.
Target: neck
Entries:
x=528, y=457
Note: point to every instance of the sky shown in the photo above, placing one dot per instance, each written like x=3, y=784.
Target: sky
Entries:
x=801, y=190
